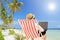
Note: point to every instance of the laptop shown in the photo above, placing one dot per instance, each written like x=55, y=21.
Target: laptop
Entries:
x=44, y=25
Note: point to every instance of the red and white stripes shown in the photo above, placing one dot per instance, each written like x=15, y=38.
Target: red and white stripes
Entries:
x=29, y=28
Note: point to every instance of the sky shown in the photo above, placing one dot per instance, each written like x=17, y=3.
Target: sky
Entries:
x=44, y=11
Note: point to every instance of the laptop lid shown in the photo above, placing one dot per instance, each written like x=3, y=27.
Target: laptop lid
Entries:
x=44, y=25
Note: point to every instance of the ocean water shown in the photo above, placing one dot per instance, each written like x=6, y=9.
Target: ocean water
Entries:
x=53, y=34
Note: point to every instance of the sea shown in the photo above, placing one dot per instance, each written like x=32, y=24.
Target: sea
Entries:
x=53, y=34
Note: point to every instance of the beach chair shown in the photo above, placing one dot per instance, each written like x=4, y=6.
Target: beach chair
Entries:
x=28, y=26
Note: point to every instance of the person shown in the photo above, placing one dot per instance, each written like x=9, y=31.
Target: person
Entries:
x=44, y=35
x=38, y=27
x=44, y=25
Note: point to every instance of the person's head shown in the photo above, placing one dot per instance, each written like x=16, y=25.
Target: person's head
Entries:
x=30, y=16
